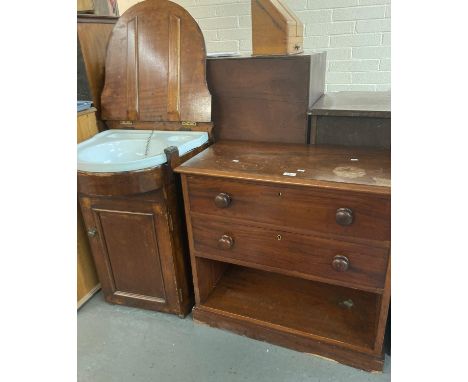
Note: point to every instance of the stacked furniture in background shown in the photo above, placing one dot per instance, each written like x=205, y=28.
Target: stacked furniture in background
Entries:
x=352, y=119
x=265, y=98
x=93, y=36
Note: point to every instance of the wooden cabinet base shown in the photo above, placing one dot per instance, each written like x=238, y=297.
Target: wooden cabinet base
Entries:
x=294, y=341
x=333, y=321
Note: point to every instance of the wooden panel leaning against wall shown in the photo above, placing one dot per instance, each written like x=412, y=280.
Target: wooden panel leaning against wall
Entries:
x=87, y=280
x=93, y=36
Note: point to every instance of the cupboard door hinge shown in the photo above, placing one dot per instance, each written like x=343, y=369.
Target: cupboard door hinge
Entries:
x=189, y=123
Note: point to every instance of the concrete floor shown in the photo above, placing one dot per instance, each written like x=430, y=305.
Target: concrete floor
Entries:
x=117, y=343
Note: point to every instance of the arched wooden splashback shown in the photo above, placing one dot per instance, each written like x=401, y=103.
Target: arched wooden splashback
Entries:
x=155, y=67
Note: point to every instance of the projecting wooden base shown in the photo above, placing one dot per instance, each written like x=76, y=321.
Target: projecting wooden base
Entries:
x=255, y=330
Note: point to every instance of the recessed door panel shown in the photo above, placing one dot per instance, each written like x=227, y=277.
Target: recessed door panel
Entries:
x=131, y=246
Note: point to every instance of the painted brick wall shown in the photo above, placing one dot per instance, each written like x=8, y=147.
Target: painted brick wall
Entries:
x=355, y=34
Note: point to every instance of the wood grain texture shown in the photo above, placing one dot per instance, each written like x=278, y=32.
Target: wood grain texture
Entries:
x=265, y=99
x=301, y=305
x=287, y=338
x=93, y=35
x=294, y=207
x=132, y=272
x=86, y=124
x=351, y=131
x=300, y=261
x=352, y=119
x=305, y=255
x=276, y=30
x=86, y=6
x=354, y=104
x=120, y=183
x=156, y=60
x=128, y=201
x=87, y=279
x=325, y=167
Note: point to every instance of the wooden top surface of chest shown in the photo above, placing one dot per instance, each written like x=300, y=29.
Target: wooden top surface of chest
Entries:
x=333, y=167
x=354, y=104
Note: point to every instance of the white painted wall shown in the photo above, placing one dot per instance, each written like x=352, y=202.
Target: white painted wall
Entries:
x=355, y=34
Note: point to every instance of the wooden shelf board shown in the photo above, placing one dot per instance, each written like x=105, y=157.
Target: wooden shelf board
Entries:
x=301, y=305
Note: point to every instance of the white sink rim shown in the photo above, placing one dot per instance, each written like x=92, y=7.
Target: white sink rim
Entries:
x=122, y=150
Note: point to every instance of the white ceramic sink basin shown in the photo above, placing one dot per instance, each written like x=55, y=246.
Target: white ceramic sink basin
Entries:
x=127, y=150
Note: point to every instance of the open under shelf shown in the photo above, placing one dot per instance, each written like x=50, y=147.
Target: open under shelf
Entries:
x=306, y=306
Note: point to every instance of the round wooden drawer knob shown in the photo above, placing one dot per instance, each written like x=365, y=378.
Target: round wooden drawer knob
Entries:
x=344, y=216
x=225, y=242
x=222, y=200
x=340, y=263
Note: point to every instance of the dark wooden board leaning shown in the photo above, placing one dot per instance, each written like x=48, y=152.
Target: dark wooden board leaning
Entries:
x=290, y=244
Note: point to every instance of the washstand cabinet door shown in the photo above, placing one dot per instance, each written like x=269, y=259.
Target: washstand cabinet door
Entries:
x=132, y=251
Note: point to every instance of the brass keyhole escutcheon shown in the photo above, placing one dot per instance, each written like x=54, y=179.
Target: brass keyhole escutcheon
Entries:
x=347, y=304
x=278, y=237
x=280, y=193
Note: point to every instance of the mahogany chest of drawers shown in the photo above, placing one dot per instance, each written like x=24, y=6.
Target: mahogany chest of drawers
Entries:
x=290, y=244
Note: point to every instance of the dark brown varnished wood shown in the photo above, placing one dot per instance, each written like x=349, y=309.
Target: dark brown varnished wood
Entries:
x=134, y=263
x=273, y=299
x=300, y=256
x=286, y=338
x=324, y=167
x=155, y=66
x=155, y=79
x=354, y=104
x=264, y=98
x=120, y=183
x=294, y=207
x=352, y=119
x=306, y=255
x=116, y=202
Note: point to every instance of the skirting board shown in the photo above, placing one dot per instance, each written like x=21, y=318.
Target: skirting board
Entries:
x=90, y=294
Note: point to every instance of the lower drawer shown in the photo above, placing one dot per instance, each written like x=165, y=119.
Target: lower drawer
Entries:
x=348, y=263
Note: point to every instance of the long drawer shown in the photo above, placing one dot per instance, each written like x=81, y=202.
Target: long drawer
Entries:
x=351, y=264
x=347, y=213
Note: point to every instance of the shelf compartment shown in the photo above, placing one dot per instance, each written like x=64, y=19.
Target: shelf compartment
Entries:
x=329, y=313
